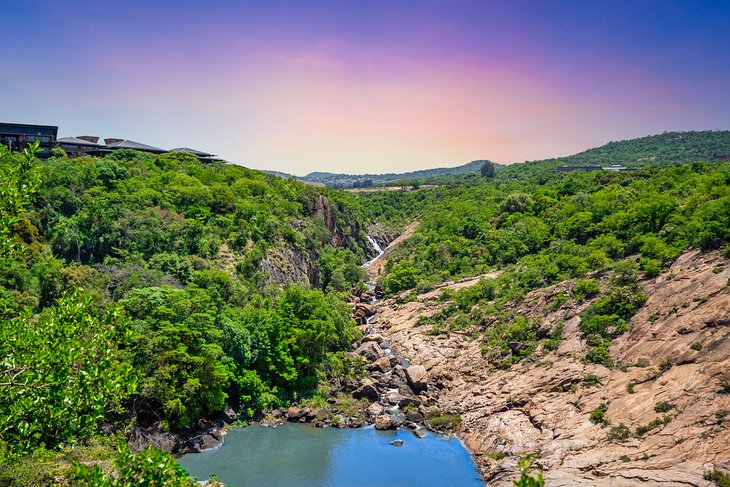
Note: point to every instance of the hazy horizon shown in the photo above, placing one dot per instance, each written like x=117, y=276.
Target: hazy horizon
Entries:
x=369, y=87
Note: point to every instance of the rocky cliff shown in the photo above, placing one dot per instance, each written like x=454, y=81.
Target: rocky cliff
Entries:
x=662, y=410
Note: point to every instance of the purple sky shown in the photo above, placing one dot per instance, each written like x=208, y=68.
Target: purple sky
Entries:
x=368, y=86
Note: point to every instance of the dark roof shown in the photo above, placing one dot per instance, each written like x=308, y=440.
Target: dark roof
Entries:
x=23, y=125
x=192, y=151
x=130, y=144
x=77, y=141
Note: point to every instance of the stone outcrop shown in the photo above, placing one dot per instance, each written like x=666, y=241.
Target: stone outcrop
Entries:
x=677, y=350
x=287, y=265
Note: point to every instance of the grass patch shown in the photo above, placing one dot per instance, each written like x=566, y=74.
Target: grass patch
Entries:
x=719, y=477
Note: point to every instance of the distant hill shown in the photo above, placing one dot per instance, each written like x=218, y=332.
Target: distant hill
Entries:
x=666, y=148
x=653, y=150
x=336, y=180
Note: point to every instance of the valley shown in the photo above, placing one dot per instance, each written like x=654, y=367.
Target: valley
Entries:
x=571, y=325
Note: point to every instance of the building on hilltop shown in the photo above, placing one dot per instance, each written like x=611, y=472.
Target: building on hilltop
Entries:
x=579, y=168
x=17, y=136
x=617, y=168
x=83, y=145
x=114, y=144
x=612, y=167
x=202, y=156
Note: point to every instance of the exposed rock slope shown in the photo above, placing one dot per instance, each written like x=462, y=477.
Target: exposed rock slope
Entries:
x=544, y=407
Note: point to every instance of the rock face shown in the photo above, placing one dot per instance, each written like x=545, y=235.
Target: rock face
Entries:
x=287, y=265
x=680, y=339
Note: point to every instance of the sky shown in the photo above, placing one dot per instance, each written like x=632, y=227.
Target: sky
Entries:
x=367, y=86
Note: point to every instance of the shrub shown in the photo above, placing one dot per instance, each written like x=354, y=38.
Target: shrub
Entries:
x=642, y=430
x=586, y=288
x=525, y=479
x=591, y=379
x=665, y=365
x=151, y=467
x=630, y=387
x=619, y=433
x=696, y=346
x=663, y=406
x=598, y=415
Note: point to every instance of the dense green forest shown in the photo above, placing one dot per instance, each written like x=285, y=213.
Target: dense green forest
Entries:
x=141, y=288
x=138, y=279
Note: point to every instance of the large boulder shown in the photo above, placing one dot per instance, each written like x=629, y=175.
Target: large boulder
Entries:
x=164, y=440
x=375, y=410
x=367, y=391
x=417, y=377
x=383, y=422
x=380, y=365
x=370, y=350
x=368, y=309
x=294, y=413
x=203, y=442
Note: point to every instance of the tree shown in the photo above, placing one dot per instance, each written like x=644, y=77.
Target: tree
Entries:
x=60, y=373
x=488, y=170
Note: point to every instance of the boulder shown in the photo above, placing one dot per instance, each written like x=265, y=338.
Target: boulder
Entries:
x=380, y=365
x=367, y=391
x=375, y=410
x=393, y=397
x=294, y=413
x=396, y=443
x=370, y=350
x=141, y=438
x=417, y=377
x=420, y=432
x=383, y=422
x=410, y=401
x=368, y=309
x=373, y=337
x=414, y=416
x=360, y=317
x=202, y=442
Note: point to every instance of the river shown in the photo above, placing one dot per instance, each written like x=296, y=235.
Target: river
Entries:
x=302, y=456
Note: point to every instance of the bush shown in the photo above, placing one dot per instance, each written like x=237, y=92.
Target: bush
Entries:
x=586, y=288
x=598, y=415
x=525, y=479
x=150, y=467
x=619, y=433
x=663, y=406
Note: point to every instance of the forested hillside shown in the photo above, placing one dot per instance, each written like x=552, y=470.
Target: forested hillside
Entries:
x=543, y=233
x=153, y=290
x=651, y=151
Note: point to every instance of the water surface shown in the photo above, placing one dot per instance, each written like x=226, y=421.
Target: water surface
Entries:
x=302, y=456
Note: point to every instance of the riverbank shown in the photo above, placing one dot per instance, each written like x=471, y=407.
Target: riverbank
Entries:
x=658, y=423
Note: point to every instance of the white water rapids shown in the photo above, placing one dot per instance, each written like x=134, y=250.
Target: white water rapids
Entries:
x=377, y=248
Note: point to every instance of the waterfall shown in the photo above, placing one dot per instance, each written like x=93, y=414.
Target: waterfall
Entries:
x=377, y=248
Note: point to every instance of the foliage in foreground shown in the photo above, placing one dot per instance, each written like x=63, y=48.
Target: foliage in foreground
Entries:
x=526, y=480
x=150, y=467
